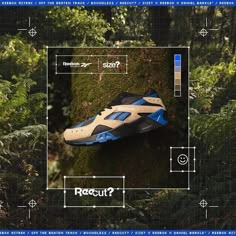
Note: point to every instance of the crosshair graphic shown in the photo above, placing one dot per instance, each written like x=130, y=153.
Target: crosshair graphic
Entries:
x=31, y=30
x=31, y=204
x=205, y=30
x=204, y=204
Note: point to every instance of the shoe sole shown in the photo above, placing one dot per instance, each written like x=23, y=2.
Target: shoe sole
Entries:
x=142, y=125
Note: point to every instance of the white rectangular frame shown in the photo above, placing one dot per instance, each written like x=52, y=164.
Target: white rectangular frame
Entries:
x=141, y=188
x=94, y=177
x=92, y=73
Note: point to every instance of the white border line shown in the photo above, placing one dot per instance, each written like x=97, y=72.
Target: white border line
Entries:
x=92, y=55
x=94, y=176
x=167, y=47
x=123, y=191
x=188, y=118
x=47, y=118
x=188, y=168
x=118, y=47
x=141, y=189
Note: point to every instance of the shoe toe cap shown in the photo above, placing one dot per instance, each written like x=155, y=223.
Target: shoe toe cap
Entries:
x=73, y=134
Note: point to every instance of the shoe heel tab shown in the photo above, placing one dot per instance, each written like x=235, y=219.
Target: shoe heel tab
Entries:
x=159, y=116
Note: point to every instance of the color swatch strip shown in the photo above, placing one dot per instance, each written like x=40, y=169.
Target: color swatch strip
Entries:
x=177, y=75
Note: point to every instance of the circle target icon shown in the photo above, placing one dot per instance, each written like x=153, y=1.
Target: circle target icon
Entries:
x=203, y=32
x=32, y=32
x=203, y=203
x=32, y=203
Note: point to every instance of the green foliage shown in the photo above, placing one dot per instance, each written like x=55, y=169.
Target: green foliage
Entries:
x=208, y=82
x=130, y=23
x=17, y=104
x=21, y=70
x=135, y=43
x=20, y=144
x=18, y=57
x=119, y=15
x=182, y=20
x=216, y=130
x=86, y=27
x=22, y=105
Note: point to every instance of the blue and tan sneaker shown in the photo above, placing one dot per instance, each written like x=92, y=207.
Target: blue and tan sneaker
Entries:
x=126, y=115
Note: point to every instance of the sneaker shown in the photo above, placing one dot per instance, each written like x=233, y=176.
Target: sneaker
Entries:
x=126, y=115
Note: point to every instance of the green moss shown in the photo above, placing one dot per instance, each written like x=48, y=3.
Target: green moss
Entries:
x=125, y=157
x=143, y=159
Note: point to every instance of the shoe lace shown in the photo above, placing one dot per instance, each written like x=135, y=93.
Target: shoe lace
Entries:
x=107, y=108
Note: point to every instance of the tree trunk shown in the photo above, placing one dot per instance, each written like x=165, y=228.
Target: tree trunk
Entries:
x=160, y=24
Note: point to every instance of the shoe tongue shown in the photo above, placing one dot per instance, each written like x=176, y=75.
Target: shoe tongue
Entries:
x=129, y=98
x=124, y=98
x=151, y=92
